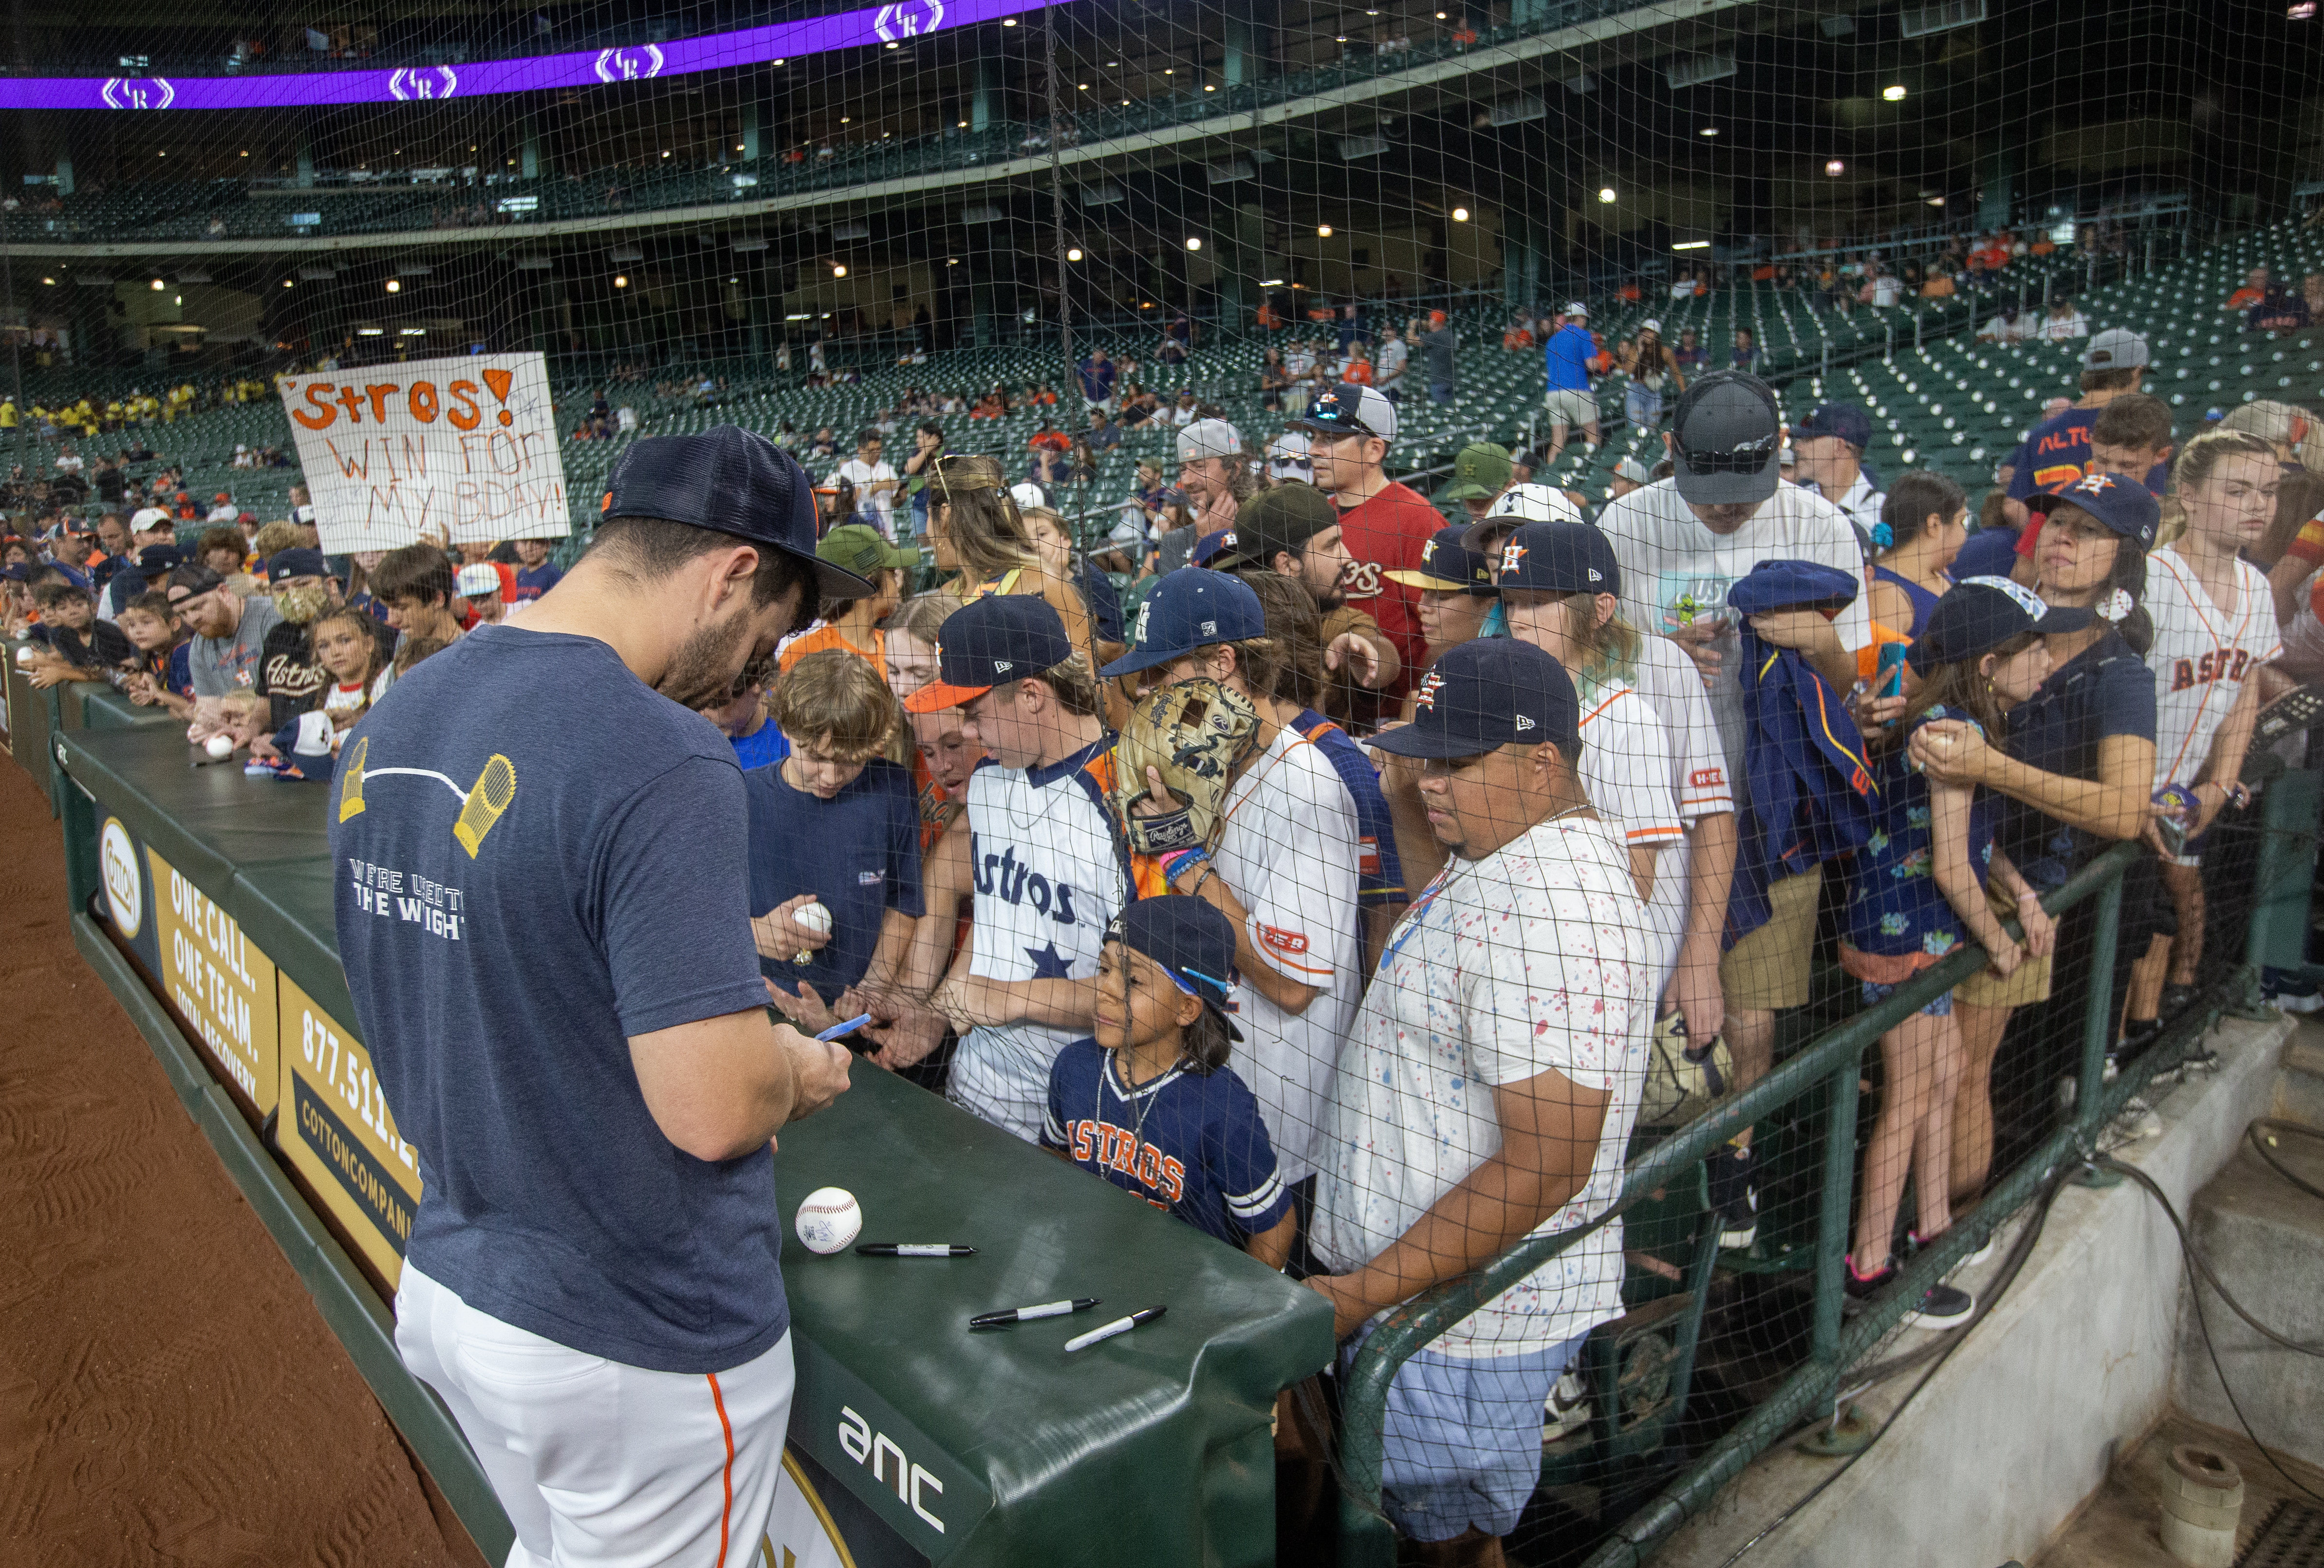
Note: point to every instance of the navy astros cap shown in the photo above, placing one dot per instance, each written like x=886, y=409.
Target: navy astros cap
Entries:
x=1448, y=565
x=1209, y=547
x=1189, y=609
x=1494, y=692
x=1790, y=585
x=296, y=562
x=1000, y=638
x=1846, y=420
x=1193, y=942
x=731, y=481
x=1726, y=434
x=155, y=559
x=2123, y=505
x=1979, y=614
x=1559, y=558
x=1350, y=409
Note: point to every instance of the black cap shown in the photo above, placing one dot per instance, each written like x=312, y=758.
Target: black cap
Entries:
x=1979, y=614
x=1558, y=558
x=1284, y=517
x=1001, y=637
x=296, y=562
x=1725, y=436
x=1191, y=940
x=195, y=578
x=1493, y=692
x=155, y=559
x=731, y=481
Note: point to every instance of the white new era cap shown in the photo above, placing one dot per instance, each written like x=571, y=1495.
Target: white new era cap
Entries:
x=477, y=582
x=1576, y=308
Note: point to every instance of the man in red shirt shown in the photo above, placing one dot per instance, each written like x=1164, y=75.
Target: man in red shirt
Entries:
x=2254, y=290
x=1385, y=525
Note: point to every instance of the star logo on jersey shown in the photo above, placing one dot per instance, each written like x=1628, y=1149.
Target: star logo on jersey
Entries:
x=1048, y=963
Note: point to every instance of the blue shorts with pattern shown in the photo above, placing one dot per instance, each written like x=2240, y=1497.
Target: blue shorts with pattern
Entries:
x=1940, y=1007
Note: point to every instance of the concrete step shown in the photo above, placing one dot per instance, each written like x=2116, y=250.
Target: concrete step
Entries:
x=2299, y=1092
x=2265, y=1240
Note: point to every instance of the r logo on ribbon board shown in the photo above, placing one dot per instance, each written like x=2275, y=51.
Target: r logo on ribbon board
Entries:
x=460, y=448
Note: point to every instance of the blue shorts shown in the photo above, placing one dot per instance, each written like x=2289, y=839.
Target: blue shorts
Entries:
x=1462, y=1448
x=1940, y=1007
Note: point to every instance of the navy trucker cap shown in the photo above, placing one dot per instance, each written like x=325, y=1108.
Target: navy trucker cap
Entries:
x=1192, y=941
x=731, y=481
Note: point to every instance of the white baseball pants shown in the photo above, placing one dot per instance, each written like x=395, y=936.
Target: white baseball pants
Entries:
x=598, y=1463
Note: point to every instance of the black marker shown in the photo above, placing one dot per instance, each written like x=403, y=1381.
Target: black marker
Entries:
x=913, y=1249
x=1027, y=1314
x=1121, y=1325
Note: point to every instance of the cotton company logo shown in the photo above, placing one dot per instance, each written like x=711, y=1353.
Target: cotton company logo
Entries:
x=124, y=889
x=1511, y=554
x=1290, y=944
x=1425, y=698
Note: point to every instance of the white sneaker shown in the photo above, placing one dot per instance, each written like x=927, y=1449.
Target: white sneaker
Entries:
x=1568, y=1410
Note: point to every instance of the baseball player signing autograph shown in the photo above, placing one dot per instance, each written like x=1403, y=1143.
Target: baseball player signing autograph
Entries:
x=543, y=909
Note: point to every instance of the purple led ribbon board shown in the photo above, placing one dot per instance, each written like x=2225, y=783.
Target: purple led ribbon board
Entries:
x=487, y=79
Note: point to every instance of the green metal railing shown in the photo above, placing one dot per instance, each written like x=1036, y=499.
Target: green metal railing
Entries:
x=1830, y=1066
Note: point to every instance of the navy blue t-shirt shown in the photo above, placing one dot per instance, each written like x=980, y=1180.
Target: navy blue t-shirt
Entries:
x=858, y=853
x=533, y=582
x=522, y=885
x=1194, y=1143
x=2057, y=452
x=1104, y=604
x=2104, y=690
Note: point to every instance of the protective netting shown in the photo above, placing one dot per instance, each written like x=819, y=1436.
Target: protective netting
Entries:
x=1051, y=303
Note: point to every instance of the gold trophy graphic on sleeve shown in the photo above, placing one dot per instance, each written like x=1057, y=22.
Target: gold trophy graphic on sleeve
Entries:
x=351, y=778
x=495, y=787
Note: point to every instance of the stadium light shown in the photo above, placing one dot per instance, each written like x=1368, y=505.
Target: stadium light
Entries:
x=838, y=271
x=1193, y=242
x=1834, y=167
x=1008, y=22
x=1708, y=131
x=1692, y=245
x=395, y=286
x=288, y=283
x=621, y=280
x=1936, y=201
x=51, y=283
x=893, y=45
x=1323, y=231
x=371, y=332
x=1606, y=194
x=1895, y=94
x=157, y=285
x=1460, y=215
x=1075, y=255
x=412, y=332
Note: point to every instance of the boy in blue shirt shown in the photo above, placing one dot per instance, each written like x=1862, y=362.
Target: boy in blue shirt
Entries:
x=834, y=828
x=536, y=574
x=1149, y=1103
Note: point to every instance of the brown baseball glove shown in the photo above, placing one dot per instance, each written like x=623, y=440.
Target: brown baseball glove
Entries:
x=1194, y=735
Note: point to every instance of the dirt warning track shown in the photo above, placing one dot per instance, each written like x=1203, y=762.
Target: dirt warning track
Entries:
x=168, y=1393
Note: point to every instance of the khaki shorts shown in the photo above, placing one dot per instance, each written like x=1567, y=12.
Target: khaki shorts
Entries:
x=2028, y=985
x=1768, y=971
x=1570, y=406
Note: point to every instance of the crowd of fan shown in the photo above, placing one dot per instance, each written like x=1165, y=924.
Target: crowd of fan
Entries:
x=1512, y=806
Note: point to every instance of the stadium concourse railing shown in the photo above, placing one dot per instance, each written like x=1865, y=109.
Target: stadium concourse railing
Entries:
x=1828, y=1068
